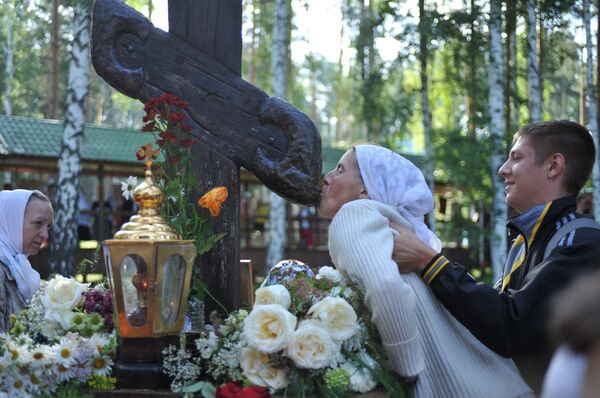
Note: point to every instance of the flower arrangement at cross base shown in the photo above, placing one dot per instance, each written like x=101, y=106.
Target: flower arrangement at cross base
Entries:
x=307, y=333
x=63, y=340
x=174, y=174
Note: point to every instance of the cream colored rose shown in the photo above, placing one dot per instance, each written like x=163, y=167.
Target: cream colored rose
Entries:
x=274, y=294
x=311, y=346
x=269, y=327
x=257, y=368
x=336, y=316
x=61, y=295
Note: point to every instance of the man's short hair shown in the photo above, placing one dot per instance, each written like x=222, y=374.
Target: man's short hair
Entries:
x=570, y=139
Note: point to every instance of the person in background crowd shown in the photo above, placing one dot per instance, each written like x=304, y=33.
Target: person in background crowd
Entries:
x=307, y=239
x=574, y=371
x=84, y=221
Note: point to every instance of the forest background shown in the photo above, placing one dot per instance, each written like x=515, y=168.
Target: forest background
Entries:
x=450, y=80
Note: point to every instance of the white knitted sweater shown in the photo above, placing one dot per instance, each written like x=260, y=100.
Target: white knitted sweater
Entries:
x=419, y=336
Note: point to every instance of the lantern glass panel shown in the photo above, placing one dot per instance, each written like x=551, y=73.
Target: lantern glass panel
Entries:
x=172, y=288
x=134, y=278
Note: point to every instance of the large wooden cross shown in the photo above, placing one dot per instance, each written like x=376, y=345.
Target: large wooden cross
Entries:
x=199, y=60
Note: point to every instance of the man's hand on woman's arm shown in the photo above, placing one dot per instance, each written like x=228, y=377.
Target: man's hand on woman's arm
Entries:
x=410, y=253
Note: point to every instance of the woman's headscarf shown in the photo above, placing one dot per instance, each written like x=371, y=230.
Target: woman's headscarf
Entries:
x=12, y=214
x=391, y=179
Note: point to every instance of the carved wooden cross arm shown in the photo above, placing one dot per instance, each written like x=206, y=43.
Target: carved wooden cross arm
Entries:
x=264, y=134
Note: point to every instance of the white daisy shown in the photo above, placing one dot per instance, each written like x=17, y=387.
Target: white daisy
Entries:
x=18, y=354
x=64, y=372
x=39, y=356
x=102, y=365
x=63, y=352
x=18, y=385
x=128, y=186
x=99, y=343
x=35, y=382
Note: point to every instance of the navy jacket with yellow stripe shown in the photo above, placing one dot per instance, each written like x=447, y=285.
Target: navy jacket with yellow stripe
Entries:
x=511, y=319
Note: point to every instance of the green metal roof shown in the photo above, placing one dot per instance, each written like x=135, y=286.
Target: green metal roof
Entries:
x=42, y=138
x=24, y=136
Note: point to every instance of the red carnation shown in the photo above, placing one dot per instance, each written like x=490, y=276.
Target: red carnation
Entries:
x=150, y=104
x=148, y=127
x=150, y=115
x=168, y=136
x=167, y=98
x=188, y=142
x=176, y=117
x=182, y=104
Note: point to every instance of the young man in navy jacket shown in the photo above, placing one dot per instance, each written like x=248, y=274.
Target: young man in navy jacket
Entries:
x=548, y=165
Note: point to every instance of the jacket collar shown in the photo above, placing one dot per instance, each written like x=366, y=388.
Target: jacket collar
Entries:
x=538, y=217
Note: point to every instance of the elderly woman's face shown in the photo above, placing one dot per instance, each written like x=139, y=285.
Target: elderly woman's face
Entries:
x=341, y=185
x=36, y=225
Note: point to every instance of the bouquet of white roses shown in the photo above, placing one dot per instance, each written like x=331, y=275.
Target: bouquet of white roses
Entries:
x=307, y=333
x=62, y=337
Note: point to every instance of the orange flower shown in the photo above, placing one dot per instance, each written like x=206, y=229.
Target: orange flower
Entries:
x=213, y=199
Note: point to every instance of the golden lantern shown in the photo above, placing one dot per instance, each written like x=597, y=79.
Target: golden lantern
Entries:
x=149, y=268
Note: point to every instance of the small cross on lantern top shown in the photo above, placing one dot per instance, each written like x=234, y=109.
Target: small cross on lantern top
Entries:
x=146, y=152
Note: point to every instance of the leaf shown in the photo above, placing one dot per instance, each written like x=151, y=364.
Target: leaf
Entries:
x=207, y=389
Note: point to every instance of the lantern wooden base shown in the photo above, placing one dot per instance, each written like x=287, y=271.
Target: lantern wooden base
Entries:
x=139, y=362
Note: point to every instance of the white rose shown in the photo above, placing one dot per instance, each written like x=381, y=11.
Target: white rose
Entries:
x=269, y=327
x=61, y=295
x=311, y=346
x=337, y=317
x=256, y=368
x=274, y=294
x=330, y=273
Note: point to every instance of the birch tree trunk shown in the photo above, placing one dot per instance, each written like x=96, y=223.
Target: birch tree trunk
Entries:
x=533, y=73
x=582, y=79
x=423, y=56
x=497, y=131
x=512, y=110
x=471, y=71
x=52, y=104
x=339, y=82
x=9, y=68
x=253, y=43
x=278, y=87
x=64, y=242
x=590, y=104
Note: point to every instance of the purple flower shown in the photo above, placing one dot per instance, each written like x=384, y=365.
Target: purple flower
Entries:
x=286, y=270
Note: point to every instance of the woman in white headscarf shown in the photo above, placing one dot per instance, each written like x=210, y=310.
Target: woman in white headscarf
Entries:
x=25, y=219
x=370, y=188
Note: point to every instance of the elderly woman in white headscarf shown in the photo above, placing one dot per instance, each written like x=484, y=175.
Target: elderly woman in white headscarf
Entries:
x=25, y=219
x=370, y=188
